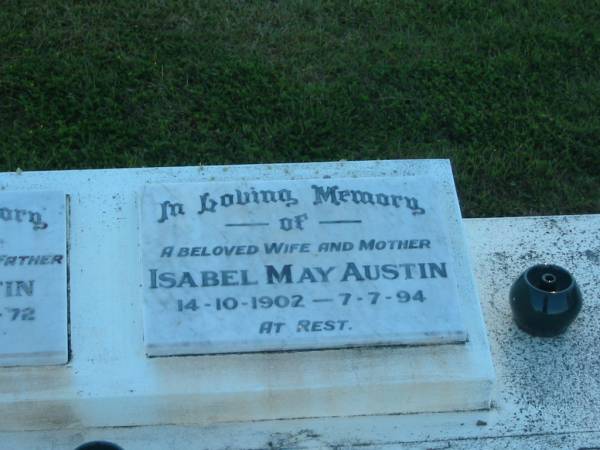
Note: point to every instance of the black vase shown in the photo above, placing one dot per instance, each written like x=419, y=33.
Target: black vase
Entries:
x=544, y=300
x=99, y=445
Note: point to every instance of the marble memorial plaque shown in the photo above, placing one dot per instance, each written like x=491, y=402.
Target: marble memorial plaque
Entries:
x=286, y=265
x=33, y=278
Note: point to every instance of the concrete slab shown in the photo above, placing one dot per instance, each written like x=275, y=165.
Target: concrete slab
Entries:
x=547, y=393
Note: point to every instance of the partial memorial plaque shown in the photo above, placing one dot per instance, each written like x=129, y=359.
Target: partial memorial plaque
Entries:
x=33, y=278
x=252, y=266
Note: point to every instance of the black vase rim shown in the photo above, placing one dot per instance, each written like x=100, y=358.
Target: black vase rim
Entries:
x=549, y=266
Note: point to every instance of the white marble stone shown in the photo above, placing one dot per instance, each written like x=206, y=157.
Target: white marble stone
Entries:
x=305, y=264
x=33, y=278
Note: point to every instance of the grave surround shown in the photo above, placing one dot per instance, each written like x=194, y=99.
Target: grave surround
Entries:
x=111, y=381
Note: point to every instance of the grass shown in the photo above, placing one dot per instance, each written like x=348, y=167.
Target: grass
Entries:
x=509, y=91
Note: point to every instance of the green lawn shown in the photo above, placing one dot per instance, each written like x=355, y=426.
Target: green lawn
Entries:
x=509, y=92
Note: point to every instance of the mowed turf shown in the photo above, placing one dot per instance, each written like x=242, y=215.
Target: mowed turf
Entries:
x=509, y=91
